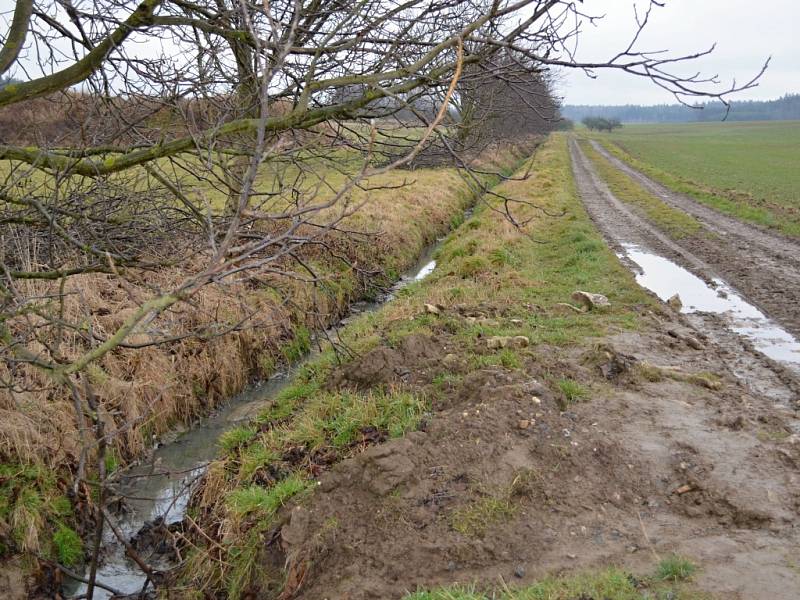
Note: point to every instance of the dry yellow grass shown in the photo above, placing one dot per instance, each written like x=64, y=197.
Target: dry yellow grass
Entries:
x=144, y=392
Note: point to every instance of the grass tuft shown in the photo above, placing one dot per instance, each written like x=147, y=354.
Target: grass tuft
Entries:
x=675, y=568
x=235, y=438
x=68, y=546
x=265, y=502
x=475, y=518
x=572, y=390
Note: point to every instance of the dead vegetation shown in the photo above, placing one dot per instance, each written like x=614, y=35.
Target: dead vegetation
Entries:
x=227, y=335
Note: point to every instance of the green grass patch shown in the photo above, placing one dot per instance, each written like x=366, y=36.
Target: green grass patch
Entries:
x=68, y=546
x=299, y=346
x=36, y=515
x=608, y=584
x=236, y=437
x=675, y=568
x=476, y=517
x=572, y=390
x=265, y=502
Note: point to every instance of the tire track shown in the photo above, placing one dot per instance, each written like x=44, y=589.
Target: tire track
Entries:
x=620, y=224
x=762, y=265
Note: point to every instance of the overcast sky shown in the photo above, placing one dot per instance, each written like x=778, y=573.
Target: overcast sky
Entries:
x=746, y=33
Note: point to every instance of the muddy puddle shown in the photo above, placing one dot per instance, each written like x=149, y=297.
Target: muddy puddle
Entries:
x=158, y=491
x=665, y=279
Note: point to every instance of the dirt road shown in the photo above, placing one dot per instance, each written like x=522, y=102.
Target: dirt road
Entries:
x=763, y=265
x=663, y=430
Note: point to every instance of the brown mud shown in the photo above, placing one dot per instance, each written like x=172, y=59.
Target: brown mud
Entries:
x=762, y=264
x=508, y=481
x=620, y=224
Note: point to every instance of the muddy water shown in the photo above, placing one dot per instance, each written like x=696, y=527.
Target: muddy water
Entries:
x=161, y=487
x=665, y=278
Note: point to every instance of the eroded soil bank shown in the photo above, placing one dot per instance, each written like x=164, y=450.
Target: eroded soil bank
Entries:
x=484, y=433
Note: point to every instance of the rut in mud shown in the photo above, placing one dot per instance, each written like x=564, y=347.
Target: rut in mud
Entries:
x=763, y=265
x=721, y=312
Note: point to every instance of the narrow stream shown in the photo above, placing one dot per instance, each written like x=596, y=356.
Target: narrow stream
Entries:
x=664, y=278
x=161, y=487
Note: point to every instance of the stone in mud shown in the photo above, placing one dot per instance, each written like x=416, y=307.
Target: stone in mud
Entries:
x=675, y=302
x=507, y=341
x=432, y=309
x=693, y=342
x=520, y=341
x=451, y=361
x=295, y=531
x=590, y=300
x=496, y=342
x=614, y=364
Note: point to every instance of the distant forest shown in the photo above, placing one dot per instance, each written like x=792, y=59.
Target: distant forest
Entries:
x=782, y=109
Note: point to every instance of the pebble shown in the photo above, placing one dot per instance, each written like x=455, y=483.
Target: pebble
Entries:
x=519, y=571
x=523, y=424
x=693, y=342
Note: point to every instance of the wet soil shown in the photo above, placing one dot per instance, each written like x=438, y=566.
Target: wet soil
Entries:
x=508, y=483
x=624, y=229
x=764, y=265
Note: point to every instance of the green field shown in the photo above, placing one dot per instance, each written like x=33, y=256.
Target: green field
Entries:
x=750, y=170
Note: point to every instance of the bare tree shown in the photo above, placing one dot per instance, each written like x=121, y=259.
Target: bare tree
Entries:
x=141, y=96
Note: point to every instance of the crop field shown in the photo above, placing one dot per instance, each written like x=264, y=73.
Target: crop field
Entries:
x=746, y=169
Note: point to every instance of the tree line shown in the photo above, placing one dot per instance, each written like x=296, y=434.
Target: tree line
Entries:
x=785, y=108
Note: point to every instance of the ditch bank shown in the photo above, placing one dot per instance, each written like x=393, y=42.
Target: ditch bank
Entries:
x=156, y=492
x=484, y=431
x=39, y=511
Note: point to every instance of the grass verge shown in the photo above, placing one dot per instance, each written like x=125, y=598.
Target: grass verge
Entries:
x=675, y=223
x=608, y=584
